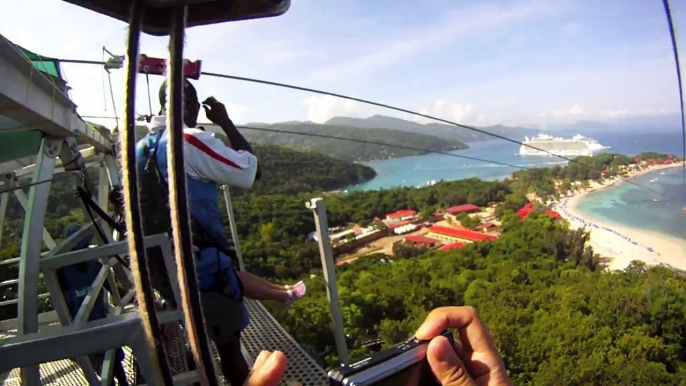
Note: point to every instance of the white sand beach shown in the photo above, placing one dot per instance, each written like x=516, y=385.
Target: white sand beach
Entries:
x=621, y=244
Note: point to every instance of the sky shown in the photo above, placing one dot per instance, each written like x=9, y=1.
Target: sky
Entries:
x=534, y=62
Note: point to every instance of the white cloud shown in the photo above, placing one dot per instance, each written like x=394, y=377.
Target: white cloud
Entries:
x=578, y=113
x=454, y=111
x=236, y=112
x=464, y=113
x=575, y=110
x=322, y=108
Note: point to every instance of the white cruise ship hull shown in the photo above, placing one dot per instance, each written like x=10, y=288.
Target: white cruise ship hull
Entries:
x=525, y=150
x=546, y=145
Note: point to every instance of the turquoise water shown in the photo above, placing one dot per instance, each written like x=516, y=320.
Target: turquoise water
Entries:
x=637, y=207
x=625, y=204
x=420, y=170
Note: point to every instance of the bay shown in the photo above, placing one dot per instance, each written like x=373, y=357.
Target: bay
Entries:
x=659, y=209
x=423, y=170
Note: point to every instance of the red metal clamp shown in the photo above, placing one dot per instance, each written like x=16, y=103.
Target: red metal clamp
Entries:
x=157, y=66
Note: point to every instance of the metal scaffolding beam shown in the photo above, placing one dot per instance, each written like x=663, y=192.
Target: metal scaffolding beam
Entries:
x=31, y=98
x=29, y=264
x=319, y=212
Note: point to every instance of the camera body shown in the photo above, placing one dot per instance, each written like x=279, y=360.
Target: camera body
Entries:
x=403, y=364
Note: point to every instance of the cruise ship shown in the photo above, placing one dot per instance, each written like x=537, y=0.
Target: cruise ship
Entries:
x=575, y=146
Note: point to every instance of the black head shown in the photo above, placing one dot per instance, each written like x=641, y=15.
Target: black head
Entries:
x=191, y=104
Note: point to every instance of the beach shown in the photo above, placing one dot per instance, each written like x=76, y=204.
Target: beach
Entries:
x=620, y=244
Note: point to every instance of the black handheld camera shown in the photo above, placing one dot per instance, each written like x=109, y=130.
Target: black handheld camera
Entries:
x=404, y=364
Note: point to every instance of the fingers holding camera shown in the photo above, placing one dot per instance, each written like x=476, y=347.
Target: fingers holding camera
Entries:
x=475, y=349
x=446, y=365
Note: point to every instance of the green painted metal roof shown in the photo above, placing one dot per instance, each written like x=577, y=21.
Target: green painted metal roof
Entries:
x=19, y=144
x=45, y=64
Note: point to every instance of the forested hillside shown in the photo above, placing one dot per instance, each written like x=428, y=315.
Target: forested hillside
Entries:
x=438, y=129
x=556, y=319
x=283, y=171
x=542, y=180
x=288, y=171
x=348, y=150
x=274, y=228
x=556, y=316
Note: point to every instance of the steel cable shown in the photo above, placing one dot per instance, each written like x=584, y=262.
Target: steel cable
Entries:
x=672, y=34
x=402, y=110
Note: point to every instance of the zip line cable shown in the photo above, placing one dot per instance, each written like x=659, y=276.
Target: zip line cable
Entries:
x=327, y=136
x=399, y=109
x=134, y=228
x=402, y=110
x=417, y=149
x=383, y=144
x=672, y=34
x=365, y=101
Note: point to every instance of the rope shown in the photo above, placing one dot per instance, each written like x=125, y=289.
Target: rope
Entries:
x=147, y=80
x=672, y=34
x=27, y=186
x=84, y=197
x=102, y=78
x=178, y=201
x=134, y=233
x=114, y=105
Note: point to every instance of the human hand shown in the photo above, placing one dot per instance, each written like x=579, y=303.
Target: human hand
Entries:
x=268, y=369
x=215, y=111
x=473, y=361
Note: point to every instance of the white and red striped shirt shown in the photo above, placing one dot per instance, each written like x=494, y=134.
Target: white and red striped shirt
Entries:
x=208, y=159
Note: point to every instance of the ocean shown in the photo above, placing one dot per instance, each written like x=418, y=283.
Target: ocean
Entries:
x=422, y=170
x=660, y=210
x=626, y=204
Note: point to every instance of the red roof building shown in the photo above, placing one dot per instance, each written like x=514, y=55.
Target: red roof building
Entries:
x=528, y=208
x=401, y=214
x=452, y=246
x=552, y=214
x=466, y=208
x=486, y=225
x=399, y=224
x=456, y=235
x=421, y=240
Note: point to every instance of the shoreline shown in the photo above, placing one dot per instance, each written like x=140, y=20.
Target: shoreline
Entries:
x=620, y=244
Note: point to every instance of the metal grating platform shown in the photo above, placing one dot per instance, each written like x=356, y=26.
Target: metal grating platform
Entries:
x=265, y=333
x=63, y=372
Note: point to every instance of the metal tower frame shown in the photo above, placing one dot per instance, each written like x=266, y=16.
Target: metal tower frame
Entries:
x=36, y=103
